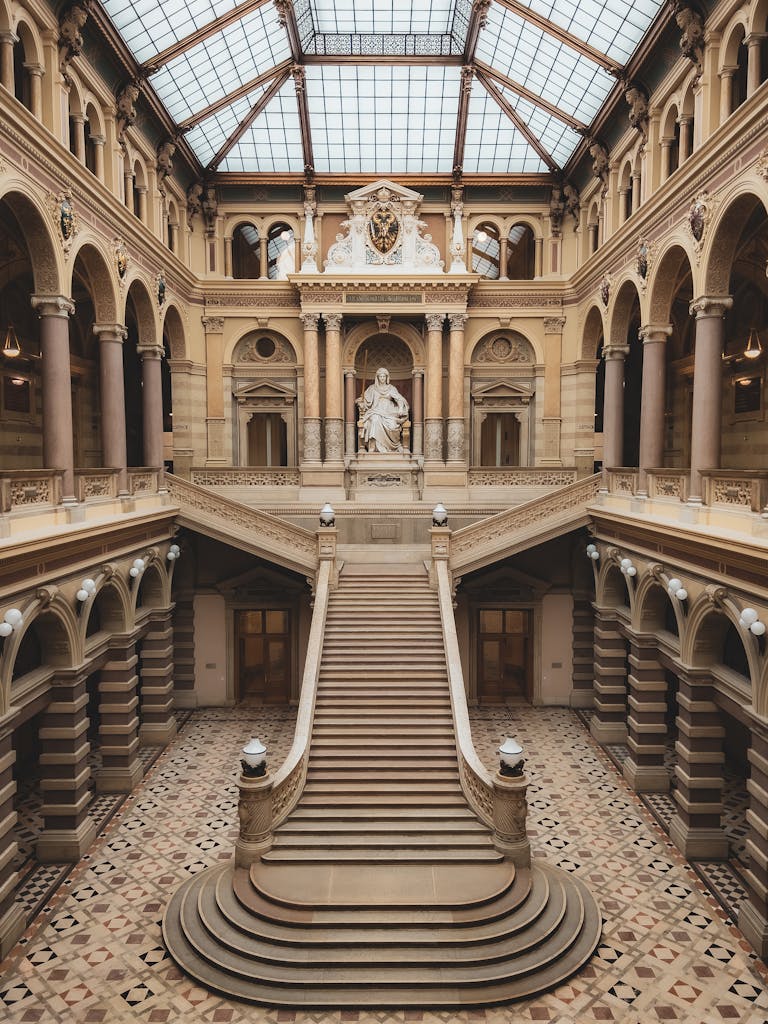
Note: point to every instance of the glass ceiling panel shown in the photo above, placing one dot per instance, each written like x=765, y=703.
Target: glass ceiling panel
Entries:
x=383, y=119
x=149, y=26
x=555, y=136
x=272, y=144
x=221, y=63
x=207, y=137
x=411, y=17
x=543, y=65
x=494, y=145
x=613, y=26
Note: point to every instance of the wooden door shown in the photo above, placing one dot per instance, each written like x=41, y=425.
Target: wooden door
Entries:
x=263, y=640
x=504, y=646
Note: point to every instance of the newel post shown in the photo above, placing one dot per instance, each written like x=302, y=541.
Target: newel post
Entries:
x=510, y=807
x=254, y=807
x=440, y=540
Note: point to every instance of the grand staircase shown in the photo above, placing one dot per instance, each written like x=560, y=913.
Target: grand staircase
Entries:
x=382, y=888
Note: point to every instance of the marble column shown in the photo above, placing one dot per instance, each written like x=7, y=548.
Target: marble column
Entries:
x=695, y=826
x=433, y=424
x=551, y=417
x=77, y=127
x=158, y=721
x=350, y=413
x=13, y=917
x=623, y=193
x=666, y=158
x=99, y=142
x=417, y=413
x=538, y=257
x=686, y=138
x=65, y=775
x=594, y=239
x=263, y=257
x=152, y=405
x=456, y=447
x=112, y=397
x=609, y=722
x=120, y=768
x=636, y=198
x=644, y=769
x=754, y=44
x=35, y=73
x=128, y=187
x=311, y=389
x=214, y=389
x=753, y=913
x=726, y=93
x=503, y=250
x=613, y=407
x=58, y=447
x=653, y=400
x=141, y=213
x=334, y=421
x=706, y=419
x=228, y=256
x=7, y=42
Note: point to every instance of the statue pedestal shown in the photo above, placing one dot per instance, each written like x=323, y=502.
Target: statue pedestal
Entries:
x=385, y=477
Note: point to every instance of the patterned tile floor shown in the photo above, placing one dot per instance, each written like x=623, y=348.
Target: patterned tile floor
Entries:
x=667, y=953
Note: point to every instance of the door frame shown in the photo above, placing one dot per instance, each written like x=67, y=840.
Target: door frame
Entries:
x=534, y=608
x=233, y=651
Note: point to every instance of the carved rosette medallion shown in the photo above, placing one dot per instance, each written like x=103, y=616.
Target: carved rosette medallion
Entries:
x=505, y=349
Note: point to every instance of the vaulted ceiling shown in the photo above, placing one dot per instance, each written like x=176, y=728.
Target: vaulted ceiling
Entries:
x=382, y=86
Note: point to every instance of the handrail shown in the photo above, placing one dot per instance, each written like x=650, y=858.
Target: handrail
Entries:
x=275, y=538
x=477, y=544
x=289, y=780
x=475, y=779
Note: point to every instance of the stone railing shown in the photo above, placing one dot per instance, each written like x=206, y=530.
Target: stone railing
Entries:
x=737, y=488
x=476, y=781
x=289, y=780
x=252, y=529
x=520, y=476
x=29, y=488
x=143, y=480
x=621, y=480
x=497, y=536
x=92, y=484
x=247, y=476
x=668, y=483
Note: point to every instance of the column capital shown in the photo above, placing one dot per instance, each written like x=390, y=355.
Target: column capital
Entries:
x=78, y=118
x=554, y=324
x=150, y=351
x=213, y=324
x=457, y=321
x=6, y=36
x=654, y=333
x=615, y=352
x=418, y=371
x=34, y=68
x=110, y=332
x=98, y=140
x=710, y=306
x=52, y=305
x=350, y=373
x=332, y=321
x=435, y=321
x=310, y=321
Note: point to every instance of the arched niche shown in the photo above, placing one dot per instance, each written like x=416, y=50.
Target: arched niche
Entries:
x=393, y=354
x=264, y=388
x=502, y=390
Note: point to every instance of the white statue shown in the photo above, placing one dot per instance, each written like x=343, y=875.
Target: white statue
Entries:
x=383, y=411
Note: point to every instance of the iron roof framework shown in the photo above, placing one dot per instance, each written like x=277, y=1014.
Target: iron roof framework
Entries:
x=295, y=88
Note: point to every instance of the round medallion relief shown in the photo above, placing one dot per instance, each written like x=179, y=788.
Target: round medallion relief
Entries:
x=501, y=348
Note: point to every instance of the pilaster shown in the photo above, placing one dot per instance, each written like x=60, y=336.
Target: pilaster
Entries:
x=644, y=769
x=609, y=722
x=158, y=721
x=119, y=722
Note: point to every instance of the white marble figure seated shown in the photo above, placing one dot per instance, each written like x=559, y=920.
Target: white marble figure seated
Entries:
x=383, y=412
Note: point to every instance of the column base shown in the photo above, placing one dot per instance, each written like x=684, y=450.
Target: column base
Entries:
x=519, y=852
x=248, y=853
x=698, y=843
x=12, y=926
x=646, y=778
x=334, y=442
x=754, y=926
x=157, y=734
x=119, y=780
x=608, y=732
x=65, y=845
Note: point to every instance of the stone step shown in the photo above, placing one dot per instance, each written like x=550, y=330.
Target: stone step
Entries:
x=300, y=827
x=379, y=855
x=341, y=760
x=348, y=796
x=374, y=814
x=393, y=774
x=358, y=740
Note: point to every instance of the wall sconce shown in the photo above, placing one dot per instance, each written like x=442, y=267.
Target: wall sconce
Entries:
x=592, y=552
x=137, y=568
x=327, y=515
x=254, y=759
x=676, y=589
x=627, y=568
x=749, y=620
x=174, y=552
x=87, y=587
x=12, y=621
x=439, y=515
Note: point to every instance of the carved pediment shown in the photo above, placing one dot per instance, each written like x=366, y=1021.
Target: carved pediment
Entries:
x=371, y=192
x=259, y=391
x=491, y=390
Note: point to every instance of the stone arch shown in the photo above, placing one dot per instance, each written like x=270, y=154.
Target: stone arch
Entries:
x=652, y=604
x=29, y=36
x=240, y=220
x=153, y=587
x=6, y=21
x=758, y=21
x=612, y=589
x=94, y=115
x=505, y=349
x=703, y=642
x=405, y=332
x=76, y=97
x=669, y=118
x=173, y=330
x=56, y=632
x=498, y=222
x=733, y=35
x=665, y=278
x=44, y=249
x=110, y=605
x=242, y=348
x=98, y=270
x=724, y=236
x=594, y=332
x=626, y=293
x=139, y=293
x=534, y=223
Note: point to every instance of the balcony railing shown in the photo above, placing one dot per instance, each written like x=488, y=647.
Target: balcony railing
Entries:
x=521, y=476
x=247, y=476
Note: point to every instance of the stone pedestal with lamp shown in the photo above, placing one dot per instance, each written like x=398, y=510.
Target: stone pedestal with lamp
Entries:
x=254, y=808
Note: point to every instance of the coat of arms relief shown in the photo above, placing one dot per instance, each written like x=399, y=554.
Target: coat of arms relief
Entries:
x=384, y=232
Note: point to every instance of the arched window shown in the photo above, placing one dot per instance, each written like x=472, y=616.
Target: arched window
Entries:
x=139, y=192
x=486, y=250
x=246, y=264
x=521, y=253
x=22, y=86
x=281, y=252
x=92, y=133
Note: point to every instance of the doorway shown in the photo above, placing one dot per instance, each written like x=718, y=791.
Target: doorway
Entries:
x=263, y=645
x=504, y=671
x=500, y=440
x=267, y=440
